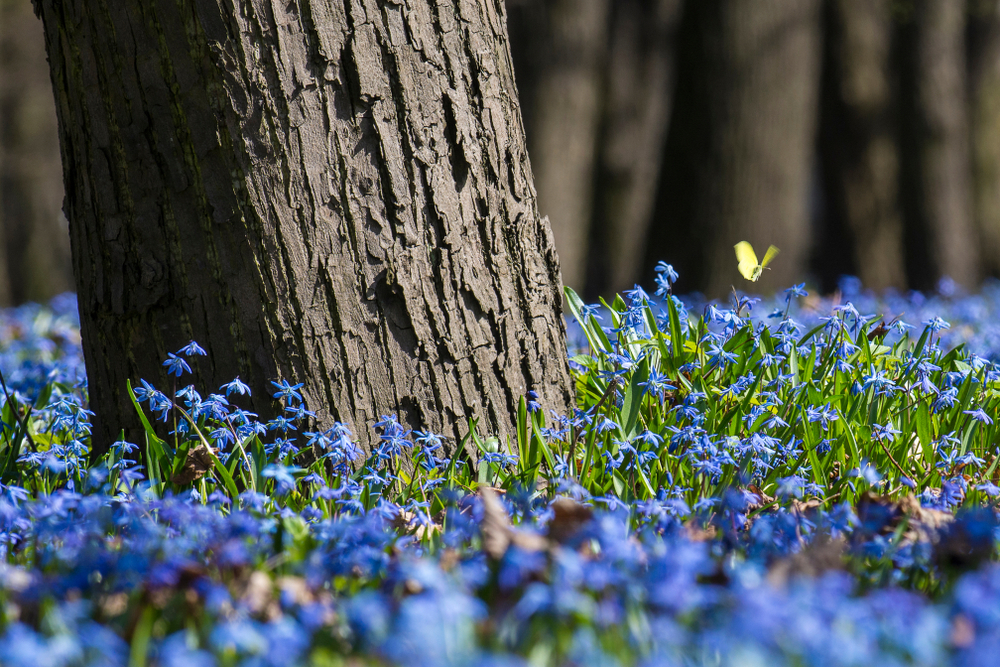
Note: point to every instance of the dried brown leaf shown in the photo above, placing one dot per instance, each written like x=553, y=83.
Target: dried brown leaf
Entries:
x=407, y=521
x=821, y=555
x=763, y=498
x=925, y=525
x=497, y=532
x=802, y=508
x=697, y=533
x=922, y=524
x=495, y=527
x=963, y=631
x=199, y=461
x=113, y=605
x=296, y=589
x=570, y=517
x=258, y=592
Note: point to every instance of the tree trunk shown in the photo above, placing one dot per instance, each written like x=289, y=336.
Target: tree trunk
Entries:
x=863, y=232
x=560, y=47
x=5, y=290
x=741, y=143
x=4, y=272
x=983, y=47
x=34, y=253
x=640, y=85
x=936, y=191
x=333, y=193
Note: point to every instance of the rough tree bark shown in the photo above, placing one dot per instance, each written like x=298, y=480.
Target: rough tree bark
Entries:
x=333, y=192
x=983, y=49
x=639, y=84
x=741, y=141
x=862, y=233
x=936, y=190
x=559, y=48
x=34, y=251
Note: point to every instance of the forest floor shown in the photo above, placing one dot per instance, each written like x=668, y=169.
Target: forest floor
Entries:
x=801, y=481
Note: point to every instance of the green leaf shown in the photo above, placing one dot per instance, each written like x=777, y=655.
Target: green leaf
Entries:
x=645, y=482
x=655, y=333
x=676, y=334
x=810, y=366
x=227, y=479
x=258, y=461
x=602, y=338
x=223, y=472
x=525, y=458
x=543, y=445
x=576, y=305
x=925, y=430
x=158, y=453
x=809, y=334
x=918, y=349
x=620, y=484
x=633, y=399
x=450, y=474
x=139, y=649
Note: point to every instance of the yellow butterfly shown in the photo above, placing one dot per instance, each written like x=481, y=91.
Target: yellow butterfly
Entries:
x=747, y=258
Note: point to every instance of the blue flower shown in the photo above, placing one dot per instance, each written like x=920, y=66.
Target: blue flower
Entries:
x=606, y=424
x=287, y=392
x=979, y=416
x=796, y=290
x=175, y=651
x=936, y=324
x=283, y=476
x=989, y=488
x=886, y=432
x=794, y=485
x=667, y=271
x=176, y=365
x=192, y=349
x=236, y=387
x=867, y=472
x=946, y=399
x=122, y=447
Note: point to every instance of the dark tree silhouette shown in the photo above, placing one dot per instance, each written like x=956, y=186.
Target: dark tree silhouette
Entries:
x=560, y=47
x=639, y=85
x=862, y=232
x=936, y=188
x=983, y=49
x=741, y=144
x=34, y=242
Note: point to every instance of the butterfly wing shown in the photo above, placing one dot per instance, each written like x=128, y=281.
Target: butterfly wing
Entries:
x=769, y=255
x=747, y=259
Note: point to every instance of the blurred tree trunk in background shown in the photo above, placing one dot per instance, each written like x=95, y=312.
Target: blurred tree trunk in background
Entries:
x=936, y=189
x=332, y=193
x=639, y=84
x=862, y=232
x=559, y=49
x=34, y=241
x=4, y=283
x=983, y=49
x=741, y=145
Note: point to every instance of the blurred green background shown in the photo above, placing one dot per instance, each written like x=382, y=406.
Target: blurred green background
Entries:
x=861, y=137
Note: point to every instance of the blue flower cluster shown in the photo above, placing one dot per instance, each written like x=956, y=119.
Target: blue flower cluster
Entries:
x=91, y=580
x=816, y=486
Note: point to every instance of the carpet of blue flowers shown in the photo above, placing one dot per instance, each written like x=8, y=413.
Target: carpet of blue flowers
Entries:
x=807, y=481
